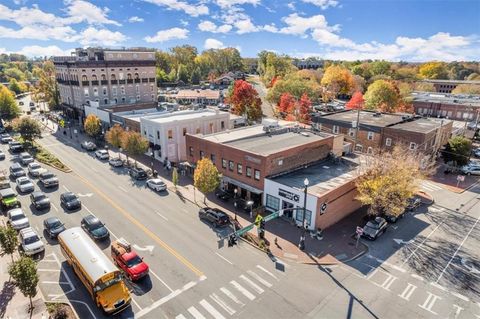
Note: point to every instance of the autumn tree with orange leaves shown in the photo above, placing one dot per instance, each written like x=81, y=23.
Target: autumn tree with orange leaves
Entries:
x=356, y=102
x=245, y=101
x=293, y=110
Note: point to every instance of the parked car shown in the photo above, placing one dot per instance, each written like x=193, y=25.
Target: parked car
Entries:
x=6, y=138
x=40, y=200
x=8, y=199
x=17, y=219
x=53, y=226
x=102, y=154
x=20, y=103
x=35, y=169
x=223, y=195
x=413, y=203
x=89, y=146
x=70, y=201
x=24, y=184
x=127, y=259
x=138, y=173
x=32, y=104
x=375, y=228
x=25, y=158
x=476, y=152
x=2, y=155
x=94, y=227
x=214, y=216
x=17, y=171
x=115, y=162
x=48, y=179
x=157, y=184
x=15, y=147
x=470, y=169
x=31, y=243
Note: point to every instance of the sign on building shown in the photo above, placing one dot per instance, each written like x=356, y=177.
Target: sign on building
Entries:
x=288, y=195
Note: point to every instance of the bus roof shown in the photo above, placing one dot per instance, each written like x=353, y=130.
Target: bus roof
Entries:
x=93, y=260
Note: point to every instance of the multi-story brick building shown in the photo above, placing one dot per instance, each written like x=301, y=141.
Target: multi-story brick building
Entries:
x=447, y=86
x=109, y=77
x=452, y=106
x=245, y=156
x=377, y=131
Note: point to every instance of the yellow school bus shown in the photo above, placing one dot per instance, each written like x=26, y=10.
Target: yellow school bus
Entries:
x=99, y=275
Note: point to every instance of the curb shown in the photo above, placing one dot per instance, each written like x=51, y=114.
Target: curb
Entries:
x=357, y=255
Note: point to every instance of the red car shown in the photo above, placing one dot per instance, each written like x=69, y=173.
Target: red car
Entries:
x=128, y=260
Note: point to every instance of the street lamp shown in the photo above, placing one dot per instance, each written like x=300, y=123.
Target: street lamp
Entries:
x=250, y=204
x=235, y=191
x=301, y=245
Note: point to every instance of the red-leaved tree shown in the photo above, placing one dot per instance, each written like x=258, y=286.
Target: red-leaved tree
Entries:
x=356, y=102
x=305, y=106
x=245, y=101
x=286, y=105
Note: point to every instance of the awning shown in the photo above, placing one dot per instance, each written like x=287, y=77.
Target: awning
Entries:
x=249, y=188
x=187, y=164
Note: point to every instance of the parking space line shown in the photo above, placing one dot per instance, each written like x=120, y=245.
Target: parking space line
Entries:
x=160, y=279
x=430, y=302
x=122, y=189
x=228, y=261
x=49, y=270
x=423, y=241
x=65, y=188
x=136, y=304
x=162, y=216
x=55, y=207
x=460, y=296
x=55, y=282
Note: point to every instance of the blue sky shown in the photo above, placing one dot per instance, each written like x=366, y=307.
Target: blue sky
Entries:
x=412, y=30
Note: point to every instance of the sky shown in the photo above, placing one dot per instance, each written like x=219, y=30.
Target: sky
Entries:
x=395, y=30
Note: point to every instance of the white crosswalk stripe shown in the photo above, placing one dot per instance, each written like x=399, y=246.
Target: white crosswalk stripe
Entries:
x=244, y=291
x=208, y=307
x=255, y=287
x=430, y=186
x=180, y=316
x=195, y=313
x=267, y=272
x=260, y=279
x=230, y=295
x=222, y=304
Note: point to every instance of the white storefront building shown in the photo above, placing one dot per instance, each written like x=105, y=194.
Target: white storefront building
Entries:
x=166, y=132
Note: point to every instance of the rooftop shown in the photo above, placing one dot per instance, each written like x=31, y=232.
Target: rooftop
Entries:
x=322, y=176
x=421, y=125
x=366, y=118
x=452, y=81
x=167, y=117
x=193, y=94
x=459, y=99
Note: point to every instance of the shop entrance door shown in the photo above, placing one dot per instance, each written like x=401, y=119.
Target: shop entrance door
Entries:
x=287, y=212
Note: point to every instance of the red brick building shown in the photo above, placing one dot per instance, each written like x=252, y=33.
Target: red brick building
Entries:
x=447, y=86
x=452, y=106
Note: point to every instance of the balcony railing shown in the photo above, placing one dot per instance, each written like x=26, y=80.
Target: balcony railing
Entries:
x=75, y=83
x=144, y=80
x=129, y=81
x=85, y=83
x=151, y=80
x=103, y=82
x=121, y=82
x=113, y=81
x=137, y=80
x=94, y=82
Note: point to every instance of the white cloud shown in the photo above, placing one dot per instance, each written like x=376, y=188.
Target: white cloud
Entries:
x=245, y=26
x=208, y=26
x=168, y=34
x=298, y=25
x=213, y=44
x=184, y=22
x=82, y=11
x=231, y=3
x=39, y=51
x=104, y=37
x=135, y=19
x=291, y=6
x=29, y=16
x=39, y=33
x=323, y=4
x=192, y=10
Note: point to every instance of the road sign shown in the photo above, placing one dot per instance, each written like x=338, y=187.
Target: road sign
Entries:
x=62, y=123
x=272, y=216
x=242, y=231
x=460, y=178
x=323, y=208
x=359, y=230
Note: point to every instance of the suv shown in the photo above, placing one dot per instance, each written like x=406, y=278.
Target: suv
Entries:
x=471, y=169
x=17, y=219
x=89, y=146
x=17, y=171
x=40, y=200
x=48, y=179
x=25, y=158
x=8, y=199
x=138, y=173
x=15, y=147
x=375, y=228
x=215, y=216
x=31, y=243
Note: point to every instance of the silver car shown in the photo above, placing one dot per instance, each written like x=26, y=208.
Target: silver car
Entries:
x=17, y=219
x=102, y=154
x=156, y=184
x=26, y=158
x=31, y=242
x=24, y=184
x=471, y=169
x=34, y=169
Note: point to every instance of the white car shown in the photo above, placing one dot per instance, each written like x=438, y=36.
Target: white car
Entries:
x=24, y=184
x=115, y=162
x=156, y=184
x=17, y=219
x=470, y=169
x=34, y=169
x=31, y=242
x=102, y=154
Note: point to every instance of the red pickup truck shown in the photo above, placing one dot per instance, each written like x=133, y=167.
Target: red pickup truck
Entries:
x=128, y=260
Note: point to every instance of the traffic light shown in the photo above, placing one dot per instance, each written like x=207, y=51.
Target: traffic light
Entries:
x=262, y=224
x=232, y=240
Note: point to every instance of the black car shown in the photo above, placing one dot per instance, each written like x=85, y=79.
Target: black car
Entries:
x=89, y=146
x=2, y=155
x=223, y=195
x=70, y=201
x=138, y=173
x=40, y=200
x=215, y=216
x=375, y=228
x=53, y=226
x=48, y=179
x=15, y=147
x=95, y=228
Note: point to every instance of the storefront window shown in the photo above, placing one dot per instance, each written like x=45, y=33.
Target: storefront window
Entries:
x=299, y=216
x=273, y=203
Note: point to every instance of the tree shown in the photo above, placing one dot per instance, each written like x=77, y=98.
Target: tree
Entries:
x=47, y=85
x=356, y=102
x=295, y=84
x=380, y=68
x=92, y=125
x=304, y=109
x=182, y=74
x=458, y=150
x=389, y=179
x=15, y=87
x=8, y=107
x=286, y=104
x=114, y=135
x=338, y=80
x=206, y=177
x=383, y=96
x=175, y=177
x=25, y=276
x=195, y=79
x=8, y=240
x=425, y=87
x=245, y=101
x=433, y=70
x=134, y=144
x=28, y=128
x=467, y=89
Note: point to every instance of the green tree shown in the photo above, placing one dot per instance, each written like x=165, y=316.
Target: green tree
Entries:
x=8, y=107
x=8, y=240
x=195, y=79
x=28, y=128
x=92, y=125
x=25, y=276
x=206, y=177
x=15, y=87
x=433, y=70
x=383, y=96
x=467, y=89
x=175, y=177
x=14, y=73
x=380, y=68
x=458, y=150
x=182, y=74
x=295, y=85
x=114, y=135
x=134, y=144
x=47, y=85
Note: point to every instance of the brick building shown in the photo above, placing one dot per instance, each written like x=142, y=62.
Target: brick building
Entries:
x=447, y=86
x=245, y=156
x=452, y=106
x=378, y=131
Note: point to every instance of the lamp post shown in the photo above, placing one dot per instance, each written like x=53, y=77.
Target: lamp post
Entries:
x=235, y=191
x=301, y=245
x=250, y=204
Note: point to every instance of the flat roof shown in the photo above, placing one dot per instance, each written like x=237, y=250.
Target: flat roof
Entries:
x=421, y=125
x=167, y=117
x=447, y=98
x=207, y=93
x=366, y=118
x=453, y=81
x=322, y=176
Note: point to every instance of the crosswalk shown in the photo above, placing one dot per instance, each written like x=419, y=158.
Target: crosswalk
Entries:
x=430, y=186
x=231, y=298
